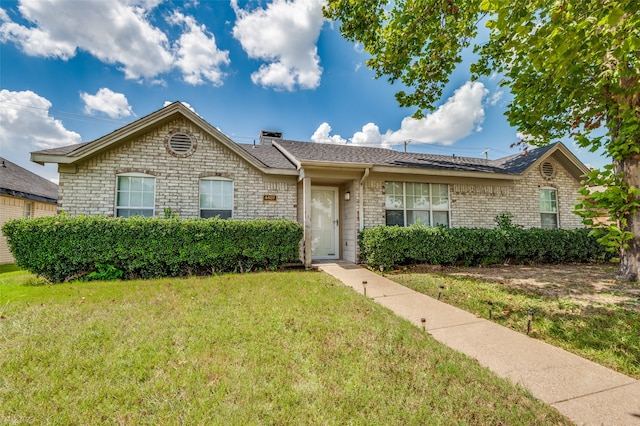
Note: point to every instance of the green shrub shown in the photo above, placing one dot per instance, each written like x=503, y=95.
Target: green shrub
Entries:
x=63, y=247
x=386, y=246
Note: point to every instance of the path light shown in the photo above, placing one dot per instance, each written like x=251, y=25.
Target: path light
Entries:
x=424, y=324
x=440, y=291
x=529, y=319
x=364, y=286
x=490, y=303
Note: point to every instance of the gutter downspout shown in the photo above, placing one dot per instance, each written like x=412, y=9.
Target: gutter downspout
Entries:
x=361, y=197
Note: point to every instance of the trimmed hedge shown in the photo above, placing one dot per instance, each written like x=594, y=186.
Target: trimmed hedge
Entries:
x=63, y=247
x=387, y=246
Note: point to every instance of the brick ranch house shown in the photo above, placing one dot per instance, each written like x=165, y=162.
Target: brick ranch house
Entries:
x=23, y=194
x=173, y=159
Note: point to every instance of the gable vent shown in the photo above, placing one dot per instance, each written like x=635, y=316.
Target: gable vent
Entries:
x=181, y=144
x=547, y=170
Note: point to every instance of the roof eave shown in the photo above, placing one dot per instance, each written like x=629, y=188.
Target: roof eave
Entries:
x=34, y=197
x=42, y=158
x=334, y=165
x=443, y=172
x=276, y=171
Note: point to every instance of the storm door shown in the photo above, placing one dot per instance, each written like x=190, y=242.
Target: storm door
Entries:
x=324, y=223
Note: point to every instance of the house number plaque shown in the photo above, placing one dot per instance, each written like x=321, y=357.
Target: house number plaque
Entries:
x=270, y=197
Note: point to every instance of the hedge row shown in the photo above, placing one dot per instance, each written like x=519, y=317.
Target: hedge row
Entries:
x=61, y=248
x=387, y=246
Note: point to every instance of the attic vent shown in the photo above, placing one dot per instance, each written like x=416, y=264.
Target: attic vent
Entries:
x=181, y=144
x=547, y=170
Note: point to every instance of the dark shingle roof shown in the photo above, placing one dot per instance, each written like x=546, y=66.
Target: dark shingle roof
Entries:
x=518, y=163
x=19, y=182
x=308, y=151
x=268, y=155
x=63, y=150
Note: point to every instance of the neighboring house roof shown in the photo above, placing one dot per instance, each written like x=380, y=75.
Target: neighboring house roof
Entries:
x=19, y=182
x=279, y=156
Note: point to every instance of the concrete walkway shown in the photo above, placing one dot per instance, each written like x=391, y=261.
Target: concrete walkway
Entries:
x=585, y=392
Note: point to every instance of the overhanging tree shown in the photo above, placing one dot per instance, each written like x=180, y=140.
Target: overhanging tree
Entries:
x=573, y=68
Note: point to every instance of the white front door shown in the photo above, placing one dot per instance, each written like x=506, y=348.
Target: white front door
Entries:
x=324, y=223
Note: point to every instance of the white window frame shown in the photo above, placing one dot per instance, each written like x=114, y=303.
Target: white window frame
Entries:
x=226, y=207
x=27, y=209
x=545, y=212
x=429, y=209
x=118, y=207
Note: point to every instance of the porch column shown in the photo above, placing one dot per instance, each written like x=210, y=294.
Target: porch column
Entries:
x=306, y=200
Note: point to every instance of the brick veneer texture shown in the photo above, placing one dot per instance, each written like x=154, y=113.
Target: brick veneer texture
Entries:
x=92, y=188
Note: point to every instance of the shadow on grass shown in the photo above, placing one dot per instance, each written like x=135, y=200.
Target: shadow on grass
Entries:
x=11, y=267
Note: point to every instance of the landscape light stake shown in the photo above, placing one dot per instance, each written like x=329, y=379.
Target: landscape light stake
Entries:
x=529, y=319
x=490, y=303
x=424, y=324
x=440, y=291
x=364, y=286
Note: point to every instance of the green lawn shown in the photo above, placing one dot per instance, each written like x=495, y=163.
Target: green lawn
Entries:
x=265, y=348
x=604, y=333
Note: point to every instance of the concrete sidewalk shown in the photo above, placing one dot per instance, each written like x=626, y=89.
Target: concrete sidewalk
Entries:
x=585, y=392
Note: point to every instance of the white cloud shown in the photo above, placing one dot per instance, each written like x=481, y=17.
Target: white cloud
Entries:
x=4, y=16
x=284, y=35
x=321, y=135
x=197, y=54
x=369, y=135
x=113, y=104
x=523, y=137
x=457, y=118
x=116, y=32
x=496, y=97
x=25, y=126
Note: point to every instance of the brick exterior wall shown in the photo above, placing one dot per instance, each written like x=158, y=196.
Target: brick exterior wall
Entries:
x=374, y=209
x=92, y=188
x=13, y=208
x=475, y=205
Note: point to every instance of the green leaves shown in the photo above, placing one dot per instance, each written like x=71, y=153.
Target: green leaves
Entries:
x=63, y=248
x=387, y=246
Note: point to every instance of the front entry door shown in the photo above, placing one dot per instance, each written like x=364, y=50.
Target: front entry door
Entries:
x=324, y=223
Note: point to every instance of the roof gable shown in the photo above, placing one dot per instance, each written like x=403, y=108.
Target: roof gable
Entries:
x=520, y=163
x=20, y=182
x=75, y=153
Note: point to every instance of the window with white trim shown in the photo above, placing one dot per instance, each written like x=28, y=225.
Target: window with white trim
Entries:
x=216, y=198
x=548, y=208
x=407, y=203
x=27, y=210
x=135, y=195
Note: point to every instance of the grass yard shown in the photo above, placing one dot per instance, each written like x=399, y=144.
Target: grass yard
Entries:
x=265, y=348
x=602, y=332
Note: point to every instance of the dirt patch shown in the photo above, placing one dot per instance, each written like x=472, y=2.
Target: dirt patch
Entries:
x=583, y=283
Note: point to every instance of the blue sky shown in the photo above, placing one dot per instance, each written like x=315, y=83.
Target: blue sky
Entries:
x=74, y=70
